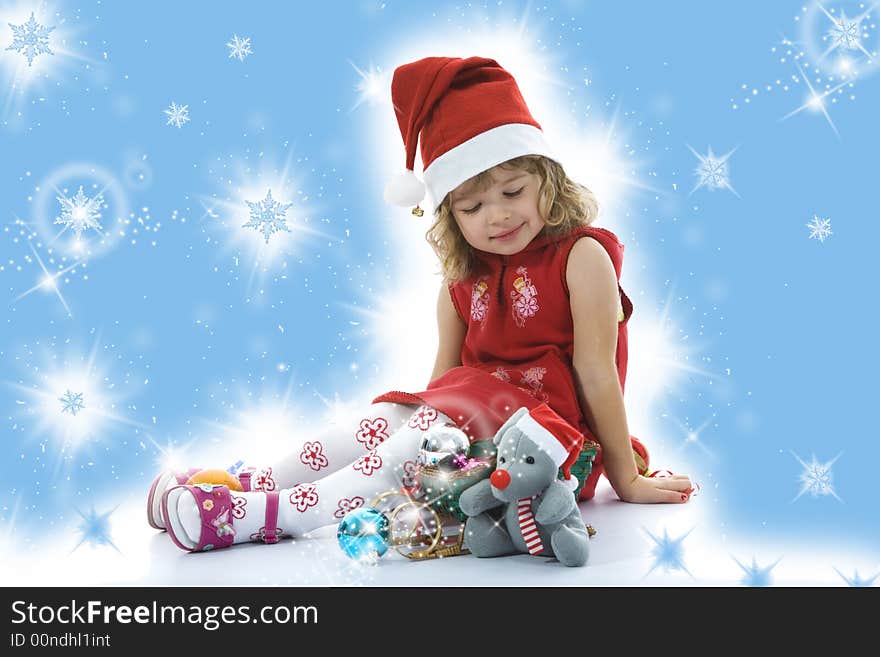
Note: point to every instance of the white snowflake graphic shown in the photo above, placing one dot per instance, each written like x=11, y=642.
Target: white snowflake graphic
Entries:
x=80, y=212
x=30, y=39
x=177, y=114
x=816, y=478
x=72, y=402
x=239, y=48
x=712, y=172
x=819, y=228
x=845, y=33
x=268, y=216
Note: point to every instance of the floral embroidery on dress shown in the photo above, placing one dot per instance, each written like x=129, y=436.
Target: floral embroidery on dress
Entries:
x=524, y=296
x=501, y=374
x=534, y=378
x=480, y=300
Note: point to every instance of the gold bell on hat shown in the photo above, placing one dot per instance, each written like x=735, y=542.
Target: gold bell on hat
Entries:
x=418, y=212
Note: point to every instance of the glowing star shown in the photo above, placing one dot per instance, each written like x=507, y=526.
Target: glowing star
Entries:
x=712, y=172
x=95, y=529
x=30, y=39
x=177, y=114
x=268, y=216
x=755, y=575
x=373, y=86
x=845, y=33
x=239, y=48
x=668, y=553
x=819, y=228
x=80, y=212
x=816, y=478
x=816, y=100
x=72, y=402
x=856, y=580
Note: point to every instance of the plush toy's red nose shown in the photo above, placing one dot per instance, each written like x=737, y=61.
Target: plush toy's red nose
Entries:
x=500, y=479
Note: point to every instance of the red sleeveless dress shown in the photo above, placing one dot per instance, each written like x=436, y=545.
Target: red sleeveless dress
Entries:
x=519, y=343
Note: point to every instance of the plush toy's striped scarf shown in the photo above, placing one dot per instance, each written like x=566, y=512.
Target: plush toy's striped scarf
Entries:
x=527, y=526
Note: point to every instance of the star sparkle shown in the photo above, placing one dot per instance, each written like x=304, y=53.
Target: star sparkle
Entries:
x=816, y=478
x=856, y=580
x=713, y=171
x=845, y=33
x=668, y=552
x=756, y=575
x=95, y=529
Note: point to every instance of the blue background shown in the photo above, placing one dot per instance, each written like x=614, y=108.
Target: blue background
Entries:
x=789, y=316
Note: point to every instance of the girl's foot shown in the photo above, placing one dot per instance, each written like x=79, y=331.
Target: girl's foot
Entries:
x=207, y=516
x=246, y=479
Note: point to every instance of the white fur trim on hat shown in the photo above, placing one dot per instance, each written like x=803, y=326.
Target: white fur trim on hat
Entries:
x=404, y=189
x=484, y=151
x=572, y=481
x=543, y=439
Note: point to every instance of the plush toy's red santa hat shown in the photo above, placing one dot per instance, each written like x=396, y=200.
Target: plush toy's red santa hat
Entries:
x=468, y=115
x=555, y=436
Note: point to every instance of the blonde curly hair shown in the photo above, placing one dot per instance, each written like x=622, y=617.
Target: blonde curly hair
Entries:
x=562, y=203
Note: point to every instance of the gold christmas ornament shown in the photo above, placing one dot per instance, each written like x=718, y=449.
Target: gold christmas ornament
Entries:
x=417, y=211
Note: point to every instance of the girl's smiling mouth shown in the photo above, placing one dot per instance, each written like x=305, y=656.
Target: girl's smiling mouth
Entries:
x=507, y=235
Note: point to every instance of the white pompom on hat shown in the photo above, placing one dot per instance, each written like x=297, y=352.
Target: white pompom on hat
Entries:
x=468, y=115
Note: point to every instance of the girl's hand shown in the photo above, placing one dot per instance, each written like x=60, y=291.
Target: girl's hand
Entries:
x=676, y=489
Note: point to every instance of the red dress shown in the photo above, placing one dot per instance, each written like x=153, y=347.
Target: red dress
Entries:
x=520, y=339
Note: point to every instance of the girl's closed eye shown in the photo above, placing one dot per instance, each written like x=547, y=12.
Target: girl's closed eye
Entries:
x=507, y=194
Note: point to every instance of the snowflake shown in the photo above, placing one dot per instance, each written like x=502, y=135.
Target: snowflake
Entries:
x=267, y=216
x=712, y=172
x=819, y=228
x=177, y=114
x=755, y=575
x=239, y=48
x=668, y=553
x=845, y=33
x=816, y=478
x=73, y=402
x=80, y=212
x=30, y=39
x=95, y=529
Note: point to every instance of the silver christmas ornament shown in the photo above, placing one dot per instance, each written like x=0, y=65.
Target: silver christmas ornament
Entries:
x=442, y=441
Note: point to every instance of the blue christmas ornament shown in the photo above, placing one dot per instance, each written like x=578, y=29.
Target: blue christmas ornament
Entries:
x=364, y=533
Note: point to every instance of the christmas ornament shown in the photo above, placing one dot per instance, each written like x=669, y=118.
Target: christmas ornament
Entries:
x=443, y=443
x=363, y=534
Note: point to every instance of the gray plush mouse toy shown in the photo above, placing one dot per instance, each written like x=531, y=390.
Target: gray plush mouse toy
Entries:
x=538, y=512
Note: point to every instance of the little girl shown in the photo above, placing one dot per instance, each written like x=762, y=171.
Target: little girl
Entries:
x=530, y=314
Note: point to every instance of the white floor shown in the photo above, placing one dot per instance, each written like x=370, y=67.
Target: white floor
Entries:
x=623, y=553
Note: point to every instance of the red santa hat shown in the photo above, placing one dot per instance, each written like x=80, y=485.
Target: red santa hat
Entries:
x=468, y=115
x=555, y=436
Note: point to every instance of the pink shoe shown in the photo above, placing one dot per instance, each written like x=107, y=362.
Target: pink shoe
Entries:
x=209, y=516
x=161, y=483
x=249, y=478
